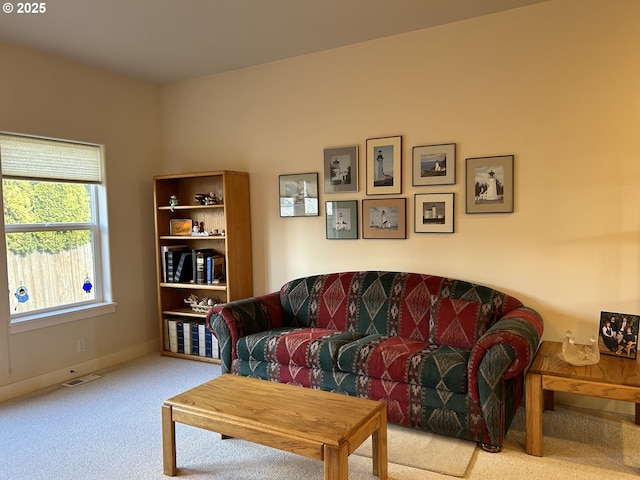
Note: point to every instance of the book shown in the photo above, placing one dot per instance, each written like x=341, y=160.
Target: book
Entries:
x=183, y=272
x=187, y=337
x=180, y=328
x=202, y=351
x=163, y=251
x=195, y=339
x=200, y=261
x=173, y=335
x=215, y=269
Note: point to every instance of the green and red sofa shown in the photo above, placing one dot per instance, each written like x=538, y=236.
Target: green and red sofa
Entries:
x=446, y=356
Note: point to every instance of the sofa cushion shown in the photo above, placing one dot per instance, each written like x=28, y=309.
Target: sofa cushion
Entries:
x=399, y=359
x=304, y=347
x=456, y=323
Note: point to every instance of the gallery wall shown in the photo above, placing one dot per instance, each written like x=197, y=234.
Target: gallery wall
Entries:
x=554, y=84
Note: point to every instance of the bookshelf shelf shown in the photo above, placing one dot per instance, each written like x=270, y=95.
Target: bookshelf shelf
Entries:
x=184, y=261
x=197, y=286
x=190, y=207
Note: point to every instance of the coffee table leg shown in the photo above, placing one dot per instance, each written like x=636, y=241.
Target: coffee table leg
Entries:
x=533, y=411
x=336, y=462
x=168, y=442
x=379, y=448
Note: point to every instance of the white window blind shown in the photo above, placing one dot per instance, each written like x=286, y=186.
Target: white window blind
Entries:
x=43, y=159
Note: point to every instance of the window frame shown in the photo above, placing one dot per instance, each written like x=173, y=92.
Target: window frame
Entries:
x=102, y=303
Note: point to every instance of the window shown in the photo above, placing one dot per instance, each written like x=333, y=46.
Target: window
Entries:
x=54, y=226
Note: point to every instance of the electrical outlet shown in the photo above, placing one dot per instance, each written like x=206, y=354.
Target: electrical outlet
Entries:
x=81, y=345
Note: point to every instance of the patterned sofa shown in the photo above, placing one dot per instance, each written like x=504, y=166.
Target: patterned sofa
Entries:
x=445, y=355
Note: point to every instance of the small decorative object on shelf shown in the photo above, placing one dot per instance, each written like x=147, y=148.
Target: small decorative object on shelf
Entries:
x=173, y=202
x=199, y=305
x=579, y=354
x=207, y=199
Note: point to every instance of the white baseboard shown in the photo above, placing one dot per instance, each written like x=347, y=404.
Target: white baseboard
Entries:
x=30, y=385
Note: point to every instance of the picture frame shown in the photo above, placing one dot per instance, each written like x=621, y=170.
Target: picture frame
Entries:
x=384, y=165
x=341, y=169
x=384, y=218
x=618, y=334
x=434, y=164
x=341, y=219
x=489, y=184
x=299, y=195
x=180, y=227
x=433, y=212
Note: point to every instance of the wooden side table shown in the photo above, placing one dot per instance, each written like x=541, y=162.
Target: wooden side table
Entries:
x=613, y=377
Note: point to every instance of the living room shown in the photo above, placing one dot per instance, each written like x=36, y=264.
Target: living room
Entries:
x=551, y=83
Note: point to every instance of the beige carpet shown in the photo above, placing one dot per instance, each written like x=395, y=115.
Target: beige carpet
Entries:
x=110, y=429
x=424, y=451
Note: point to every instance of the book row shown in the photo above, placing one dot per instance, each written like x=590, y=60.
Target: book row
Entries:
x=190, y=338
x=183, y=265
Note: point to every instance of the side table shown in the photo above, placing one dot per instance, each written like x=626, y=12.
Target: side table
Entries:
x=613, y=377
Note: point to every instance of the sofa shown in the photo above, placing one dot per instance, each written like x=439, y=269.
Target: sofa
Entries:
x=445, y=356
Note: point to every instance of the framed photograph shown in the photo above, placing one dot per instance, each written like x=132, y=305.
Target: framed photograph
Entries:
x=489, y=186
x=384, y=165
x=180, y=226
x=299, y=195
x=341, y=169
x=384, y=218
x=433, y=213
x=618, y=334
x=342, y=219
x=434, y=164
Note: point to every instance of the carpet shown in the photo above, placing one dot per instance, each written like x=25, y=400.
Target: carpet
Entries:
x=424, y=451
x=110, y=429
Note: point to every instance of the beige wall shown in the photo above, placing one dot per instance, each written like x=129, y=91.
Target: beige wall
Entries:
x=52, y=97
x=555, y=84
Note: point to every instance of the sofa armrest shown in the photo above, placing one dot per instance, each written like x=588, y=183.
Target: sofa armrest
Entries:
x=233, y=320
x=505, y=350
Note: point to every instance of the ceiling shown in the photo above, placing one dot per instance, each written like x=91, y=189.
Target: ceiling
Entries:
x=164, y=41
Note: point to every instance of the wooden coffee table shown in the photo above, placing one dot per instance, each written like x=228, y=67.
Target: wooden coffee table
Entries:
x=613, y=377
x=316, y=424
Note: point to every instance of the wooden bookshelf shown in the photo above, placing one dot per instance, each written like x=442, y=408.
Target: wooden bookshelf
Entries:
x=230, y=217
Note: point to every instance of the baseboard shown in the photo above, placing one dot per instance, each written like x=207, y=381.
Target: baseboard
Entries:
x=56, y=377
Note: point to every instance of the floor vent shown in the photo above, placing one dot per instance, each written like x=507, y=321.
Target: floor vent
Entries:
x=79, y=381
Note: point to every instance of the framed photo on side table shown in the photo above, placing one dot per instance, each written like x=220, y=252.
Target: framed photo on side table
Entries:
x=299, y=195
x=341, y=169
x=384, y=165
x=342, y=219
x=433, y=213
x=618, y=334
x=434, y=164
x=489, y=187
x=384, y=218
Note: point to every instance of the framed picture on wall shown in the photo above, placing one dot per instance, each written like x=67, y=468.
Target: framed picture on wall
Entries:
x=489, y=187
x=342, y=219
x=299, y=195
x=434, y=164
x=384, y=218
x=433, y=213
x=384, y=165
x=341, y=169
x=618, y=334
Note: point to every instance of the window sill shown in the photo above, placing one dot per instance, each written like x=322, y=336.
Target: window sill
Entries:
x=49, y=319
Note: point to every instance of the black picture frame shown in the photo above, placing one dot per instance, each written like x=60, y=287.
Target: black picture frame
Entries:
x=490, y=184
x=341, y=219
x=299, y=195
x=611, y=339
x=341, y=169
